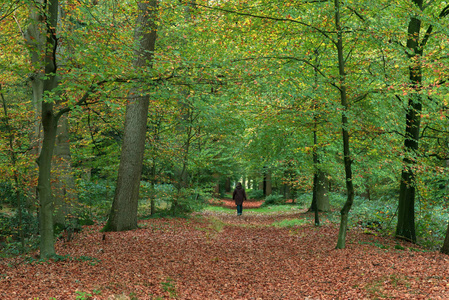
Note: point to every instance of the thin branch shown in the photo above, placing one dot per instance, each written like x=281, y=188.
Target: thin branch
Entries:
x=289, y=58
x=10, y=10
x=324, y=33
x=444, y=13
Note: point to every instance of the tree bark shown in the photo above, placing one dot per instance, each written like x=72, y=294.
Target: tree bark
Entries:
x=49, y=124
x=35, y=40
x=406, y=211
x=123, y=214
x=64, y=184
x=322, y=192
x=345, y=133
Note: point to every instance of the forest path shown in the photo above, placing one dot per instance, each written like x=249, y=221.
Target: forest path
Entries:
x=252, y=217
x=218, y=255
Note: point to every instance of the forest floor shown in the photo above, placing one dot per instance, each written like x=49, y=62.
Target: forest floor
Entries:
x=218, y=255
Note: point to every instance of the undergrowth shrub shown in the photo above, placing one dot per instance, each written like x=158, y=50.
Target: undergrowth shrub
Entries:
x=254, y=194
x=430, y=220
x=95, y=200
x=304, y=199
x=274, y=199
x=10, y=240
x=170, y=201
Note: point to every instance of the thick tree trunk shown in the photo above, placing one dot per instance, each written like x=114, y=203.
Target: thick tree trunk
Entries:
x=35, y=40
x=49, y=124
x=345, y=134
x=64, y=188
x=46, y=203
x=406, y=211
x=64, y=184
x=123, y=215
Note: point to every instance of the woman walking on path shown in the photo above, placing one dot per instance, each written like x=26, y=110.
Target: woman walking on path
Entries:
x=239, y=196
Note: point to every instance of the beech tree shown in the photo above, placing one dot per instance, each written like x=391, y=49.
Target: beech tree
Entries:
x=123, y=215
x=63, y=188
x=48, y=14
x=415, y=48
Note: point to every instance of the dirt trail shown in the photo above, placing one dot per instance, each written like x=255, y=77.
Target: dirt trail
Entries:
x=200, y=258
x=252, y=217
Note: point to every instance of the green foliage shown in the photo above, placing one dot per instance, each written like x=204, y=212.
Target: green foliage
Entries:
x=186, y=201
x=95, y=200
x=431, y=220
x=7, y=193
x=171, y=202
x=254, y=194
x=170, y=287
x=247, y=105
x=10, y=240
x=376, y=244
x=95, y=192
x=273, y=199
x=80, y=295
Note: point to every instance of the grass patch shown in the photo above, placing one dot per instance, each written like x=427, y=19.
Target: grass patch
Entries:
x=378, y=245
x=274, y=209
x=376, y=288
x=219, y=209
x=290, y=223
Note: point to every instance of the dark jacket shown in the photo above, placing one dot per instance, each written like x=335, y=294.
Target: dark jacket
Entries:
x=239, y=195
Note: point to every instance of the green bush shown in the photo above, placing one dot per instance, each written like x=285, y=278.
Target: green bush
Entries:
x=9, y=224
x=10, y=240
x=187, y=202
x=96, y=193
x=255, y=194
x=95, y=200
x=8, y=195
x=274, y=199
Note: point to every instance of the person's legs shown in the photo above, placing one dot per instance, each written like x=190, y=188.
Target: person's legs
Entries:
x=239, y=210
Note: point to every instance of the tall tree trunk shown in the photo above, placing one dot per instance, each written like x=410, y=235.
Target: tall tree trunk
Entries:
x=320, y=200
x=35, y=40
x=345, y=133
x=64, y=184
x=123, y=215
x=49, y=124
x=64, y=188
x=406, y=211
